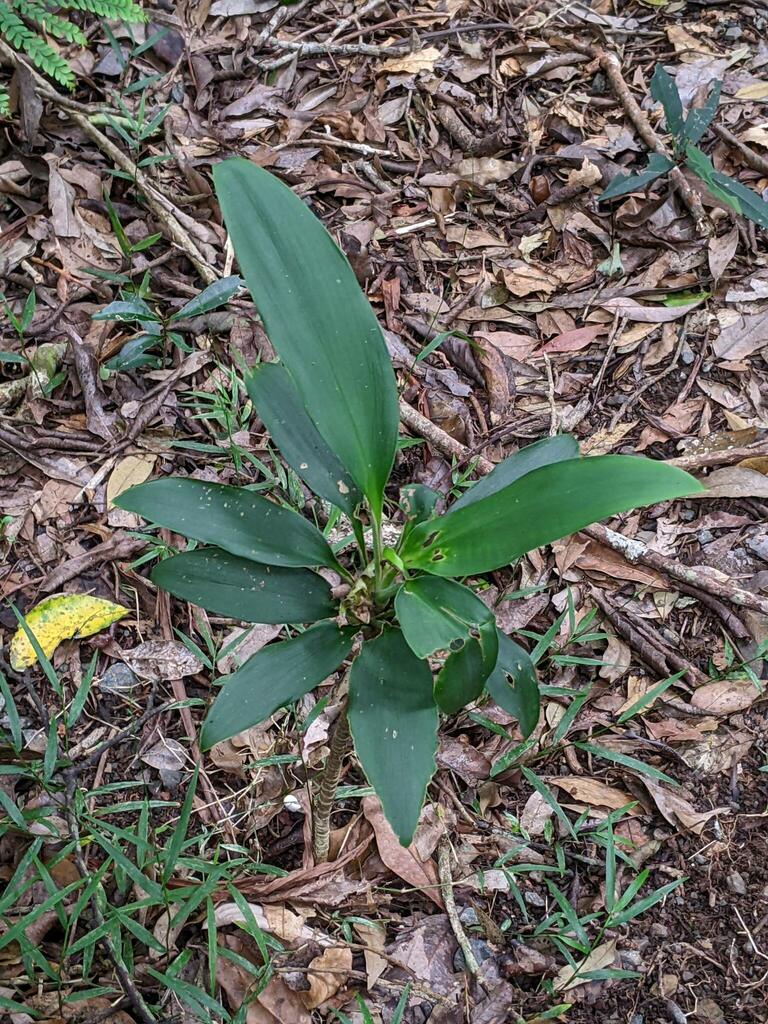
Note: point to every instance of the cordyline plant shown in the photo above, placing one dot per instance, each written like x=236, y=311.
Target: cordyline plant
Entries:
x=420, y=642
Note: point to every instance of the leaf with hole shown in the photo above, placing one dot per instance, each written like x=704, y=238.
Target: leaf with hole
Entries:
x=513, y=684
x=317, y=318
x=393, y=719
x=245, y=590
x=540, y=507
x=276, y=675
x=233, y=518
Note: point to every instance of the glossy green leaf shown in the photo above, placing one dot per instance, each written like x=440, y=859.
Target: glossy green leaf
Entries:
x=533, y=456
x=462, y=677
x=701, y=165
x=623, y=183
x=393, y=719
x=233, y=518
x=743, y=199
x=700, y=118
x=244, y=590
x=513, y=684
x=126, y=311
x=215, y=295
x=418, y=502
x=276, y=675
x=541, y=507
x=664, y=91
x=277, y=402
x=317, y=318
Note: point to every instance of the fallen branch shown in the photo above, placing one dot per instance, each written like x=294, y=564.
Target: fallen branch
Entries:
x=437, y=437
x=749, y=156
x=635, y=551
x=446, y=888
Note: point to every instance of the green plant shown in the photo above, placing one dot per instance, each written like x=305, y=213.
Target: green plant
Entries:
x=155, y=328
x=25, y=23
x=420, y=642
x=686, y=132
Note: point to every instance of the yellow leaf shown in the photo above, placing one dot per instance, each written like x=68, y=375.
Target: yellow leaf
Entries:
x=58, y=618
x=755, y=91
x=132, y=470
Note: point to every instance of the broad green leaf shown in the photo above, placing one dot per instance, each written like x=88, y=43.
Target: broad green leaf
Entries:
x=134, y=353
x=664, y=91
x=462, y=677
x=212, y=297
x=58, y=618
x=743, y=199
x=277, y=402
x=539, y=508
x=276, y=675
x=699, y=118
x=245, y=590
x=624, y=183
x=393, y=719
x=126, y=311
x=513, y=684
x=317, y=319
x=701, y=165
x=233, y=518
x=540, y=453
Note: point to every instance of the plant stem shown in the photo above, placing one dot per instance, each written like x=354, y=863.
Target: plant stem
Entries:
x=326, y=790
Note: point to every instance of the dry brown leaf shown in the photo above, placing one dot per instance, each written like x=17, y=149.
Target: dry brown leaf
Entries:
x=676, y=809
x=634, y=310
x=274, y=918
x=720, y=251
x=599, y=959
x=374, y=937
x=758, y=134
x=735, y=482
x=162, y=660
x=573, y=341
x=535, y=815
x=617, y=657
x=516, y=346
x=486, y=170
x=412, y=63
x=742, y=336
x=403, y=861
x=591, y=792
x=688, y=48
x=725, y=696
x=328, y=973
x=585, y=176
x=526, y=279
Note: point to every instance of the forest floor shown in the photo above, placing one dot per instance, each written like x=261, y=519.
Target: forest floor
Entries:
x=457, y=150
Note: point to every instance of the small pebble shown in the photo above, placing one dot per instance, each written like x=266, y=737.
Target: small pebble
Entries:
x=534, y=899
x=481, y=950
x=631, y=960
x=637, y=1018
x=732, y=33
x=468, y=916
x=170, y=778
x=737, y=884
x=118, y=678
x=659, y=931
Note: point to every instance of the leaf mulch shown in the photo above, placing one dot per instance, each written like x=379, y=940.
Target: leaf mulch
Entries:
x=456, y=150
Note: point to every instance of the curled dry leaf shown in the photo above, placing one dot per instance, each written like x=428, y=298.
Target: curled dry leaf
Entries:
x=676, y=809
x=735, y=482
x=273, y=918
x=61, y=617
x=162, y=660
x=327, y=974
x=634, y=310
x=600, y=958
x=405, y=862
x=132, y=470
x=374, y=937
x=412, y=63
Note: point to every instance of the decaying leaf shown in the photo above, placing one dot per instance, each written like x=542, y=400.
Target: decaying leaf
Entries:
x=132, y=470
x=162, y=660
x=725, y=696
x=327, y=974
x=599, y=959
x=61, y=617
x=412, y=63
x=591, y=792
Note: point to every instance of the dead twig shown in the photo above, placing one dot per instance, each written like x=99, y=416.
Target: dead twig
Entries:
x=635, y=551
x=437, y=437
x=446, y=888
x=749, y=156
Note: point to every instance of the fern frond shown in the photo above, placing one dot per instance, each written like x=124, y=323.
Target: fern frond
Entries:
x=5, y=104
x=61, y=28
x=115, y=10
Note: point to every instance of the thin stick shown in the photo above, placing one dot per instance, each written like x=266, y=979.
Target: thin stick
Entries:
x=446, y=888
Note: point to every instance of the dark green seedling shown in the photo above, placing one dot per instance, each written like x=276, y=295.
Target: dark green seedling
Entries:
x=686, y=132
x=415, y=642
